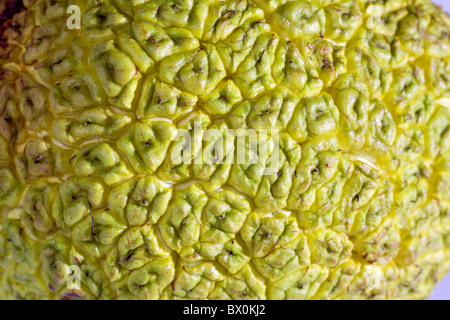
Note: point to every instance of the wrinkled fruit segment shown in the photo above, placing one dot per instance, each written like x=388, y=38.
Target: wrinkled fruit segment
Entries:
x=358, y=207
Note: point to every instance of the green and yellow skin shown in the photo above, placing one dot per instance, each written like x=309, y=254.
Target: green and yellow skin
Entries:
x=358, y=206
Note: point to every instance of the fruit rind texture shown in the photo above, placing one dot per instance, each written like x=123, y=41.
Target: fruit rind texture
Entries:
x=357, y=207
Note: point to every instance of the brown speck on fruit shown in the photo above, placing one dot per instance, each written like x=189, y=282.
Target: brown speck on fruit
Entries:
x=92, y=219
x=261, y=56
x=39, y=158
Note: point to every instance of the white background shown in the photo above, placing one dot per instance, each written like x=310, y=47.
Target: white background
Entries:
x=442, y=291
x=443, y=3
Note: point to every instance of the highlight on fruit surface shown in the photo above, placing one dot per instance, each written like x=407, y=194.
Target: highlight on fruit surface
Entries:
x=224, y=149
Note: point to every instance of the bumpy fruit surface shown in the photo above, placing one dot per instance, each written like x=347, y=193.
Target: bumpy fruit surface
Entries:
x=358, y=207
